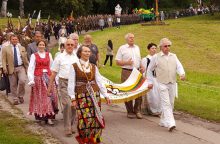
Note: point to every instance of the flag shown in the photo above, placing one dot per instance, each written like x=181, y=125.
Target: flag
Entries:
x=135, y=86
x=19, y=23
x=38, y=17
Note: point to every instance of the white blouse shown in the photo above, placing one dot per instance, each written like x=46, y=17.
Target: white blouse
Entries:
x=31, y=67
x=86, y=68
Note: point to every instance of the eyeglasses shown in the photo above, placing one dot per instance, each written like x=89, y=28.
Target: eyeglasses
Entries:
x=70, y=44
x=166, y=45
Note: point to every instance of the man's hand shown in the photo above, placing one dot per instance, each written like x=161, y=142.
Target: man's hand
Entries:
x=150, y=86
x=5, y=71
x=182, y=77
x=129, y=62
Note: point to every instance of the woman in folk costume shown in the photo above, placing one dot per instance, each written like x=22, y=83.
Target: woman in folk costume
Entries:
x=151, y=102
x=44, y=107
x=84, y=87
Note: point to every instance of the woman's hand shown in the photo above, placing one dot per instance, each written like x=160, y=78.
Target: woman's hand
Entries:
x=74, y=103
x=49, y=91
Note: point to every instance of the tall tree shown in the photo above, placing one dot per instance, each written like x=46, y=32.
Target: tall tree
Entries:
x=21, y=8
x=4, y=8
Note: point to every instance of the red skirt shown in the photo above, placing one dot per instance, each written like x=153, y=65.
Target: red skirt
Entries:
x=42, y=105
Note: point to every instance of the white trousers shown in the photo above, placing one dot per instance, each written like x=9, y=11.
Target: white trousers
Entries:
x=167, y=94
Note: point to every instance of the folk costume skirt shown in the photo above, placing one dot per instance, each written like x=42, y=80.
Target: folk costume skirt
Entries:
x=41, y=105
x=88, y=126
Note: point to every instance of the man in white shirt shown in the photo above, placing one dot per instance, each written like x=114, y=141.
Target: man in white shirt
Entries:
x=75, y=38
x=128, y=57
x=61, y=67
x=166, y=65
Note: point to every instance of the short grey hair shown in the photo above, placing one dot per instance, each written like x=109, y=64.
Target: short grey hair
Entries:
x=127, y=35
x=163, y=40
x=73, y=35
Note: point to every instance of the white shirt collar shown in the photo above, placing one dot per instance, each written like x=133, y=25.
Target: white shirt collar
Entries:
x=162, y=54
x=13, y=45
x=85, y=63
x=65, y=53
x=128, y=46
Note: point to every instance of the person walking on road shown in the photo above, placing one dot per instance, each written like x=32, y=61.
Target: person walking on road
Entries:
x=151, y=101
x=166, y=65
x=129, y=57
x=61, y=67
x=84, y=87
x=43, y=106
x=15, y=64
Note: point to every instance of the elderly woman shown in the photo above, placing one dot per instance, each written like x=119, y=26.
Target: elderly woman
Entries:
x=84, y=87
x=44, y=107
x=151, y=102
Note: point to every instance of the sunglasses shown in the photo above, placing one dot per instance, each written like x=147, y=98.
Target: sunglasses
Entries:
x=70, y=44
x=166, y=45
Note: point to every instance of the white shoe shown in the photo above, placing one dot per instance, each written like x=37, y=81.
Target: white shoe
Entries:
x=50, y=122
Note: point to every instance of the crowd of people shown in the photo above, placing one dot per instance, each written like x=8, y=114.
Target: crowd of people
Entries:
x=73, y=79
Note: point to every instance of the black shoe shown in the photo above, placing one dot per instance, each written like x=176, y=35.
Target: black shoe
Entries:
x=172, y=128
x=21, y=100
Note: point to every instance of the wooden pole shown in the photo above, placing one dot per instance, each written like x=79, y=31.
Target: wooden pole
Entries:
x=157, y=13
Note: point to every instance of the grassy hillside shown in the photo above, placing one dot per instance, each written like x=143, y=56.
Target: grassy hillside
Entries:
x=196, y=41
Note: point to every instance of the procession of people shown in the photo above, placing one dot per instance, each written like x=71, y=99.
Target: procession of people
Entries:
x=72, y=78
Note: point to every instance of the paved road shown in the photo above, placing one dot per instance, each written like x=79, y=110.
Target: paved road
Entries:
x=121, y=130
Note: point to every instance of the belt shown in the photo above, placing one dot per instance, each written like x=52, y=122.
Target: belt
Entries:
x=18, y=65
x=127, y=69
x=63, y=79
x=84, y=83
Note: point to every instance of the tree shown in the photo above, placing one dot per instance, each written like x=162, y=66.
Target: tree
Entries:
x=4, y=8
x=21, y=8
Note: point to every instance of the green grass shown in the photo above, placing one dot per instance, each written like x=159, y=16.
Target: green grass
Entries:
x=196, y=41
x=13, y=131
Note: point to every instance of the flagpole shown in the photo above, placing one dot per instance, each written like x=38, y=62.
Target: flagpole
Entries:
x=157, y=13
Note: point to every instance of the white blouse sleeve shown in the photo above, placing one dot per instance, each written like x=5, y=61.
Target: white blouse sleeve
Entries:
x=31, y=69
x=71, y=83
x=100, y=83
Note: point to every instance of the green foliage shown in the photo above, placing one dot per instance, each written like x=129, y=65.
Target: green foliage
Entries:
x=63, y=8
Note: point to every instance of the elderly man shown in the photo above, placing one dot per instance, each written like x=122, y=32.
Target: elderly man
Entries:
x=75, y=38
x=32, y=47
x=166, y=65
x=61, y=66
x=94, y=58
x=128, y=57
x=15, y=64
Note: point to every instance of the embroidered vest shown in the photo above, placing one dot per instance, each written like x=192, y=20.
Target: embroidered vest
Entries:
x=81, y=79
x=42, y=63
